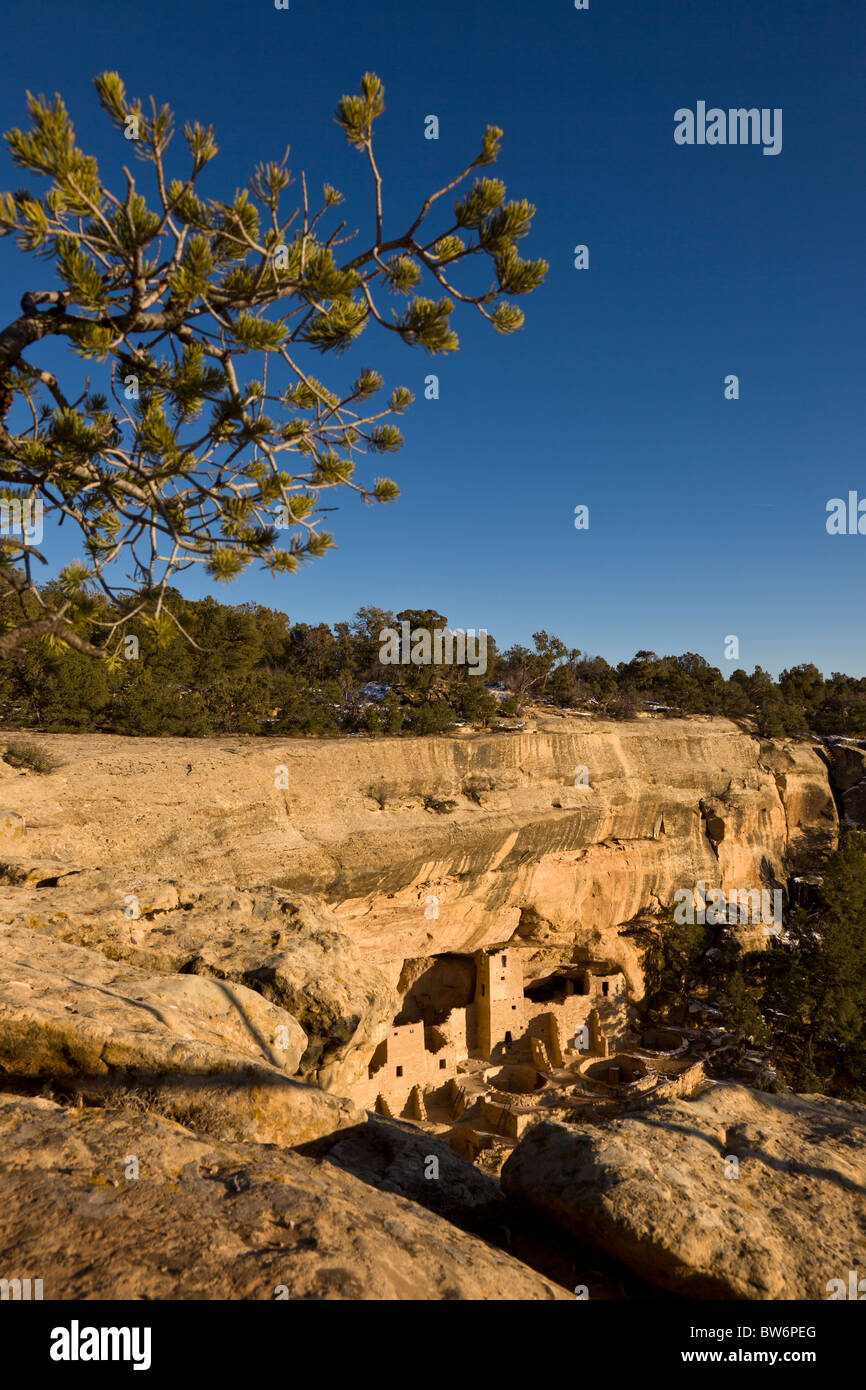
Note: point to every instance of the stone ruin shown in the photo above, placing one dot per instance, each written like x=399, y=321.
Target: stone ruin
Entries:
x=516, y=1053
x=501, y=1024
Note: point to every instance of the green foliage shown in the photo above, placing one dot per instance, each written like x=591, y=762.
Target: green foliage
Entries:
x=30, y=756
x=528, y=672
x=430, y=718
x=402, y=274
x=441, y=807
x=62, y=690
x=804, y=997
x=741, y=1010
x=673, y=957
x=485, y=196
x=356, y=114
x=840, y=978
x=190, y=647
x=150, y=706
x=201, y=311
x=507, y=318
x=427, y=324
x=473, y=703
x=819, y=983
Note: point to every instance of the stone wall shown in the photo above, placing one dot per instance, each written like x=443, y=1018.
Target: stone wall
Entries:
x=499, y=1025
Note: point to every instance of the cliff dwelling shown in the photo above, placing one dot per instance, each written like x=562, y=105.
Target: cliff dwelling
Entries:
x=479, y=1053
x=512, y=1037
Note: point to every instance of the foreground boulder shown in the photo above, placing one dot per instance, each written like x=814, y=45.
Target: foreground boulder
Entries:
x=206, y=1052
x=104, y=1204
x=651, y=1188
x=286, y=947
x=397, y=1157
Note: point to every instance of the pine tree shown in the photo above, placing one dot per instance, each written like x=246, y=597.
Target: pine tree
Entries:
x=208, y=440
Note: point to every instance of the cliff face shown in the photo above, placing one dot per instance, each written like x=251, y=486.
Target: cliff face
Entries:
x=442, y=845
x=193, y=929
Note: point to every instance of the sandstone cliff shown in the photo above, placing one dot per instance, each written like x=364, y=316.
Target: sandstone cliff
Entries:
x=515, y=848
x=193, y=929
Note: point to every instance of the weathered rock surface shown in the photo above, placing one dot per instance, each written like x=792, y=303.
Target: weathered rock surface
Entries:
x=848, y=774
x=12, y=827
x=216, y=1220
x=183, y=936
x=805, y=795
x=565, y=866
x=430, y=989
x=848, y=764
x=651, y=1189
x=287, y=948
x=204, y=1051
x=854, y=803
x=395, y=1157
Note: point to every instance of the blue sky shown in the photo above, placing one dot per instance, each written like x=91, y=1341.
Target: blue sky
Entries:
x=707, y=516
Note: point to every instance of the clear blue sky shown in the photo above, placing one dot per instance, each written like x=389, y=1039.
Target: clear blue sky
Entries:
x=707, y=516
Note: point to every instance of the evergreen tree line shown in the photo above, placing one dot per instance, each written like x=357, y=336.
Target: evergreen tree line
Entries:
x=804, y=998
x=246, y=668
